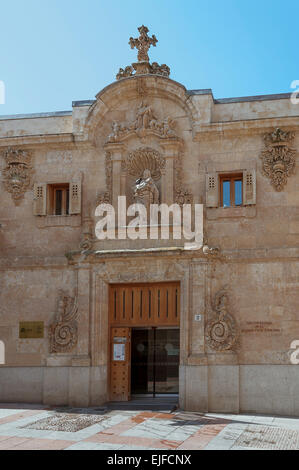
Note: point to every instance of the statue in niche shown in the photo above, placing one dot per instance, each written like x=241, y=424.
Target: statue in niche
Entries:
x=146, y=191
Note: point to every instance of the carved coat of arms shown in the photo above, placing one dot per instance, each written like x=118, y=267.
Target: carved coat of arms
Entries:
x=17, y=173
x=278, y=158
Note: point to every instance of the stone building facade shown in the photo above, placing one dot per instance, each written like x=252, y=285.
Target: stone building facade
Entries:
x=234, y=302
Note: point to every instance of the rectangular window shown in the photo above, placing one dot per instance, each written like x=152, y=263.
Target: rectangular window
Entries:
x=231, y=190
x=59, y=199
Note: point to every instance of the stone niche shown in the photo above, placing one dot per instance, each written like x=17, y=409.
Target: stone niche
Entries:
x=144, y=160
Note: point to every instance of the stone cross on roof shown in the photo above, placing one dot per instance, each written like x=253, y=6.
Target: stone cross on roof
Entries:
x=143, y=43
x=143, y=66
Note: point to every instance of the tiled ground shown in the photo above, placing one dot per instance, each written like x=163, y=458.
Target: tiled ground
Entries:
x=36, y=427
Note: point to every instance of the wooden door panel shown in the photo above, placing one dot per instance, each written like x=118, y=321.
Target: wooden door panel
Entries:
x=136, y=305
x=120, y=364
x=145, y=305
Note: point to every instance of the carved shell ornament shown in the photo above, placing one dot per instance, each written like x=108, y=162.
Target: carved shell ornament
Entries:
x=144, y=159
x=221, y=330
x=278, y=158
x=63, y=332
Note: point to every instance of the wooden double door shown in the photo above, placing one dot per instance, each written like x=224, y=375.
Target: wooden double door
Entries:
x=144, y=342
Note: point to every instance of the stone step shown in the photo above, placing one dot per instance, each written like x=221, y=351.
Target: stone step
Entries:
x=167, y=404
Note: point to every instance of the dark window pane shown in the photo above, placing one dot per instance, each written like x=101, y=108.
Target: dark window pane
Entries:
x=67, y=201
x=226, y=193
x=58, y=202
x=238, y=193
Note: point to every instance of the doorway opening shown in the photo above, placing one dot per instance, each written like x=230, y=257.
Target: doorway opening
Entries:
x=144, y=343
x=155, y=357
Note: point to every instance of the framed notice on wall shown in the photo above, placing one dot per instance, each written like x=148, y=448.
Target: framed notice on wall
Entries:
x=32, y=330
x=119, y=352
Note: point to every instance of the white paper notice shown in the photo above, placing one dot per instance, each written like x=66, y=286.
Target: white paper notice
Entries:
x=119, y=352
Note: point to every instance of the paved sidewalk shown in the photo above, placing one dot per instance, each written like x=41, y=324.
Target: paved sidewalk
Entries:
x=35, y=427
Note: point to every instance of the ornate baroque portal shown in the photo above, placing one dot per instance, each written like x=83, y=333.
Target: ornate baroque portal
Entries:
x=144, y=155
x=125, y=167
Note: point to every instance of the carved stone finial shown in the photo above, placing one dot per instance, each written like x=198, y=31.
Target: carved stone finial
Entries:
x=221, y=330
x=63, y=332
x=17, y=173
x=143, y=43
x=126, y=72
x=278, y=158
x=143, y=66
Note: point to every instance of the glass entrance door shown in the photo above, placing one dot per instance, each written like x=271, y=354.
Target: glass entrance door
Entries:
x=155, y=361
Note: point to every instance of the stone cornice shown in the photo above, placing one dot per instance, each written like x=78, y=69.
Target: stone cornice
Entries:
x=226, y=256
x=64, y=140
x=243, y=127
x=29, y=262
x=76, y=258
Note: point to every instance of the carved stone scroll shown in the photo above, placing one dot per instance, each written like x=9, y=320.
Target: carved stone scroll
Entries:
x=63, y=332
x=221, y=332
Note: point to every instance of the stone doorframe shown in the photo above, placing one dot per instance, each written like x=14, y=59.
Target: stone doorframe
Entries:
x=103, y=276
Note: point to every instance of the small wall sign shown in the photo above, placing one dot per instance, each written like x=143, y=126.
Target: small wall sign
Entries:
x=119, y=352
x=31, y=330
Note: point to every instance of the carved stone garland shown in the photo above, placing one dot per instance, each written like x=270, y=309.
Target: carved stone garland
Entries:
x=221, y=332
x=18, y=172
x=278, y=158
x=63, y=332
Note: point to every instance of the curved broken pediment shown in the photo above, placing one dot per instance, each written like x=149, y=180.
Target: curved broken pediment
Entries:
x=120, y=97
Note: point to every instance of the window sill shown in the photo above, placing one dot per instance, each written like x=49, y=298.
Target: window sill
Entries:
x=58, y=221
x=231, y=212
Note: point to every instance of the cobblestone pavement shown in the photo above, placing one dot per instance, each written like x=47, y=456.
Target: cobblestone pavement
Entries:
x=35, y=427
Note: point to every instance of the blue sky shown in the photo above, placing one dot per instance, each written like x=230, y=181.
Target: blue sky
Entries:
x=57, y=51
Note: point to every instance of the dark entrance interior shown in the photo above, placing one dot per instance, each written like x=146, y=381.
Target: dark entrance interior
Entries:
x=155, y=358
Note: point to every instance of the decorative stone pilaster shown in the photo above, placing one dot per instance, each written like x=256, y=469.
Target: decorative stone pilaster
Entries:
x=171, y=153
x=116, y=151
